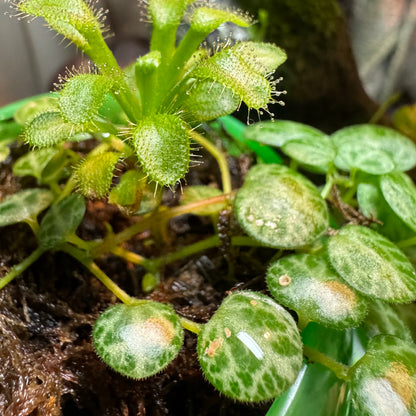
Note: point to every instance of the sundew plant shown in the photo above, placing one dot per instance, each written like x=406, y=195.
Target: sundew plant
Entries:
x=343, y=250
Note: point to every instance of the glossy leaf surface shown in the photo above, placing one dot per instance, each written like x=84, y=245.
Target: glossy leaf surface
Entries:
x=307, y=284
x=138, y=340
x=250, y=350
x=372, y=264
x=280, y=207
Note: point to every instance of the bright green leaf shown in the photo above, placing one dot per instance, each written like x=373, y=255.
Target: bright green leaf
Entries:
x=82, y=96
x=372, y=264
x=27, y=112
x=250, y=350
x=280, y=207
x=163, y=148
x=139, y=340
x=47, y=129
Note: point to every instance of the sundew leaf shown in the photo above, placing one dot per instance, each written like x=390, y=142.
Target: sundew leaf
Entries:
x=24, y=205
x=162, y=146
x=372, y=264
x=227, y=68
x=167, y=13
x=33, y=163
x=38, y=105
x=315, y=154
x=207, y=19
x=71, y=18
x=95, y=173
x=280, y=207
x=207, y=100
x=383, y=319
x=47, y=129
x=250, y=350
x=307, y=284
x=384, y=380
x=138, y=340
x=400, y=193
x=278, y=132
x=198, y=193
x=82, y=96
x=373, y=149
x=61, y=220
x=374, y=206
x=133, y=194
x=261, y=57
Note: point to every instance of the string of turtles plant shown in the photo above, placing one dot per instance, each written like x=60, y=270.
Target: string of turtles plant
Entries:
x=339, y=277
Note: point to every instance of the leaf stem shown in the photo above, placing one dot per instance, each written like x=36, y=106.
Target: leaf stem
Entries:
x=191, y=325
x=21, y=267
x=406, y=243
x=340, y=370
x=219, y=157
x=86, y=261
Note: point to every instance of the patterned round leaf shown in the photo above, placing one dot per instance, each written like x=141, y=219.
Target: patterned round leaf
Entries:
x=372, y=264
x=277, y=133
x=163, y=148
x=33, y=163
x=307, y=284
x=315, y=154
x=384, y=380
x=373, y=149
x=250, y=350
x=383, y=319
x=61, y=220
x=373, y=205
x=400, y=193
x=138, y=340
x=280, y=207
x=24, y=205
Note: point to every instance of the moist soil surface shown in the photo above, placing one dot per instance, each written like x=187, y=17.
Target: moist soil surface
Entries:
x=48, y=365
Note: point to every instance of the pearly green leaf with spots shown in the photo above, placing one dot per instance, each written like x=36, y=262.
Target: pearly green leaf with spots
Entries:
x=162, y=146
x=400, y=193
x=139, y=340
x=24, y=205
x=278, y=132
x=33, y=163
x=373, y=149
x=372, y=264
x=250, y=350
x=280, y=207
x=384, y=380
x=307, y=284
